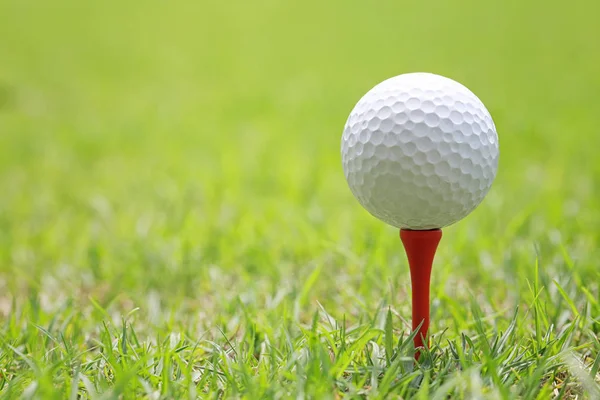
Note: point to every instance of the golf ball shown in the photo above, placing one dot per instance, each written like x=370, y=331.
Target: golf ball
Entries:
x=420, y=151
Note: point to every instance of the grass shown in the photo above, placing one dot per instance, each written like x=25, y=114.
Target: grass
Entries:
x=174, y=220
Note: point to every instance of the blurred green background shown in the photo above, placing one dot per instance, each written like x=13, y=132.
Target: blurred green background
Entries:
x=183, y=156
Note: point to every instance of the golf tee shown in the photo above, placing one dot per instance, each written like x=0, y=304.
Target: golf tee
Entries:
x=420, y=247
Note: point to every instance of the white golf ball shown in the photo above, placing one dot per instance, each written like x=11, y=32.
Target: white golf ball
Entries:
x=420, y=151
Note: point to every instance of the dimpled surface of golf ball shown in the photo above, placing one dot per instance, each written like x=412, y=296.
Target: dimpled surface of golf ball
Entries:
x=420, y=151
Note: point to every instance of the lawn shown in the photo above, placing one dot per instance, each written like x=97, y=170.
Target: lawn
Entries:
x=175, y=222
